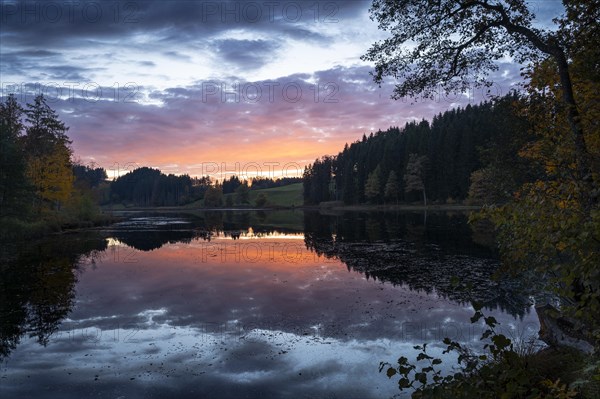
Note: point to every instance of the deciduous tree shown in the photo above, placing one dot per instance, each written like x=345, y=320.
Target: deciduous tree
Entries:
x=48, y=155
x=52, y=177
x=450, y=45
x=373, y=185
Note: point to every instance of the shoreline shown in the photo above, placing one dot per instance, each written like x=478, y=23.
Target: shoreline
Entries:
x=351, y=208
x=109, y=216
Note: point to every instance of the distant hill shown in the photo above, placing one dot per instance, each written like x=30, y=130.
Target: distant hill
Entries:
x=290, y=195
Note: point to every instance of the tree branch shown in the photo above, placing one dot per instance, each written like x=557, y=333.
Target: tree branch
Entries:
x=459, y=49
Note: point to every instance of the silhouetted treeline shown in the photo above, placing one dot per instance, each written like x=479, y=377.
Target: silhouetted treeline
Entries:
x=446, y=152
x=231, y=184
x=88, y=176
x=259, y=183
x=150, y=187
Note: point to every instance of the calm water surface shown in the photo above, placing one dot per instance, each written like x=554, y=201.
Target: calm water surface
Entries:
x=243, y=305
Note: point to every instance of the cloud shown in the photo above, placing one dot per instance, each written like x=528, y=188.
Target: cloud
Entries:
x=31, y=54
x=35, y=24
x=250, y=54
x=295, y=118
x=146, y=63
x=185, y=82
x=141, y=40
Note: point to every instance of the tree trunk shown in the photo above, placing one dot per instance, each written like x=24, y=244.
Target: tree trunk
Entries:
x=557, y=330
x=552, y=48
x=581, y=152
x=424, y=197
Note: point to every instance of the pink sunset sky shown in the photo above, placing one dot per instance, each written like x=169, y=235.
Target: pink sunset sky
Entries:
x=211, y=87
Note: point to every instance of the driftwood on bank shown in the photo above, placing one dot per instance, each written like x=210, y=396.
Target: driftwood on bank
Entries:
x=558, y=330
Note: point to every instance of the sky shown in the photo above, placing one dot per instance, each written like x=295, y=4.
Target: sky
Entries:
x=211, y=87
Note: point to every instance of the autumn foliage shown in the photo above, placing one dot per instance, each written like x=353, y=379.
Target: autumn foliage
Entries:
x=37, y=184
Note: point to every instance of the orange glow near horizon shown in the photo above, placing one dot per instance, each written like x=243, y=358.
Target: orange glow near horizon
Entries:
x=273, y=158
x=276, y=253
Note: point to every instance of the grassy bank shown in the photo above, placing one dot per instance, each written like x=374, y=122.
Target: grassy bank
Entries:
x=291, y=196
x=14, y=229
x=285, y=196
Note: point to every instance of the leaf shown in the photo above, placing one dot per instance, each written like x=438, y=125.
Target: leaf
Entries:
x=391, y=372
x=486, y=334
x=478, y=315
x=501, y=341
x=404, y=383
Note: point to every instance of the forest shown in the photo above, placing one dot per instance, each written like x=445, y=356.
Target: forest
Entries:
x=44, y=188
x=539, y=179
x=435, y=160
x=150, y=187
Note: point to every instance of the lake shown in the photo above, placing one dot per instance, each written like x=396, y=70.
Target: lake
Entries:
x=285, y=304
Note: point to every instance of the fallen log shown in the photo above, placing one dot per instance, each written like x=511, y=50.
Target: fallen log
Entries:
x=558, y=330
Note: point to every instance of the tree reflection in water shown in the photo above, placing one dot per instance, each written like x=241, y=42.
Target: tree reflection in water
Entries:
x=37, y=280
x=437, y=255
x=37, y=286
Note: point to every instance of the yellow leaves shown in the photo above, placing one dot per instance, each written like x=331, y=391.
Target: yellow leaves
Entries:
x=540, y=185
x=556, y=390
x=52, y=176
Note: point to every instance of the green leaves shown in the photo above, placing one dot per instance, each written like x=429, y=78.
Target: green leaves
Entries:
x=475, y=318
x=499, y=373
x=490, y=321
x=421, y=377
x=404, y=383
x=501, y=342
